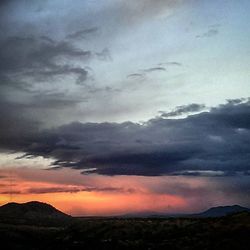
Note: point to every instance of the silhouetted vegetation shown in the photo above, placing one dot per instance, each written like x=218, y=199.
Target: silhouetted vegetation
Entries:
x=229, y=232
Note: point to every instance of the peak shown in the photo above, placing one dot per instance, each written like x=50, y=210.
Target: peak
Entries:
x=30, y=204
x=36, y=203
x=30, y=209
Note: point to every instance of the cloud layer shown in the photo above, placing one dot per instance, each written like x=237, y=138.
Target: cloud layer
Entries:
x=214, y=142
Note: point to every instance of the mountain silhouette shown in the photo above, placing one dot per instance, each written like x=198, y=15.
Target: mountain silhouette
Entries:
x=222, y=211
x=211, y=212
x=31, y=212
x=222, y=233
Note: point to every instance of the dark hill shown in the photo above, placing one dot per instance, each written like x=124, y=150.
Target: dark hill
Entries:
x=222, y=211
x=31, y=212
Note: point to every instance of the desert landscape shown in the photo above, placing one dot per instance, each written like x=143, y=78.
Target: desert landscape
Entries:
x=36, y=225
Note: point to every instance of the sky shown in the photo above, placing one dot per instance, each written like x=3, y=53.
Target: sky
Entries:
x=117, y=107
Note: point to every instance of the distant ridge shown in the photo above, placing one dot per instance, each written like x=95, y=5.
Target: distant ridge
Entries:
x=211, y=212
x=36, y=211
x=222, y=211
x=33, y=211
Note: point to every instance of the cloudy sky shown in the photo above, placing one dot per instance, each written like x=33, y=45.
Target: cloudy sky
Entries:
x=117, y=106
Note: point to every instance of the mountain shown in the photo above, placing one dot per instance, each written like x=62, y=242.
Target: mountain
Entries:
x=222, y=211
x=31, y=212
x=211, y=212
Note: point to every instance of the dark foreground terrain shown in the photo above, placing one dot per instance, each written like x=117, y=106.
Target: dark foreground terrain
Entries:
x=227, y=232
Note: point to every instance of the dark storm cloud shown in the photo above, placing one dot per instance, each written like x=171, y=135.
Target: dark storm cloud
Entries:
x=58, y=70
x=210, y=143
x=39, y=58
x=180, y=110
x=47, y=101
x=36, y=77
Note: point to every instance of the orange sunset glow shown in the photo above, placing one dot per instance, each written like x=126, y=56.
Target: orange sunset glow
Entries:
x=124, y=196
x=96, y=195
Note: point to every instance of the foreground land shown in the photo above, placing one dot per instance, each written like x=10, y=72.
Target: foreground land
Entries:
x=228, y=232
